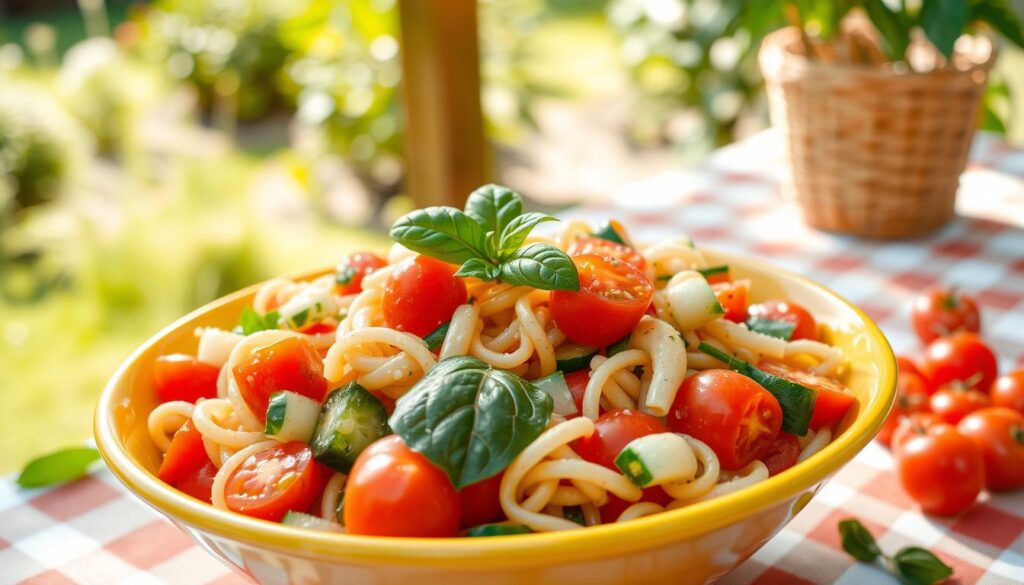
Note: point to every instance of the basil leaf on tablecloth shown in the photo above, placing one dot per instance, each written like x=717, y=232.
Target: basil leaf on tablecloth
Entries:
x=920, y=566
x=541, y=266
x=857, y=541
x=470, y=419
x=58, y=467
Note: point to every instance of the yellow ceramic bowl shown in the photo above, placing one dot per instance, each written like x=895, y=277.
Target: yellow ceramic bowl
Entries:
x=690, y=545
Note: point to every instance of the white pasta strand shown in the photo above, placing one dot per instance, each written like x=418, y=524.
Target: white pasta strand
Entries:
x=532, y=327
x=600, y=377
x=331, y=497
x=703, y=483
x=206, y=416
x=169, y=416
x=639, y=510
x=735, y=335
x=461, y=331
x=667, y=353
x=345, y=360
x=754, y=473
x=820, y=440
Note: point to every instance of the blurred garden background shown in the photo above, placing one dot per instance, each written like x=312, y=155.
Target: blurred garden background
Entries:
x=157, y=155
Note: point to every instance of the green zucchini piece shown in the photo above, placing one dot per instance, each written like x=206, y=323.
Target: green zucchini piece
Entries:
x=796, y=400
x=435, y=338
x=291, y=417
x=498, y=530
x=713, y=270
x=656, y=459
x=572, y=357
x=555, y=387
x=619, y=346
x=350, y=420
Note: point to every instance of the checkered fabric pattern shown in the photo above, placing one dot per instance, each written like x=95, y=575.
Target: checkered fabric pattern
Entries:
x=92, y=531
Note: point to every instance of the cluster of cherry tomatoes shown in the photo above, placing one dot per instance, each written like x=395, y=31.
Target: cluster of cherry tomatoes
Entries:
x=956, y=427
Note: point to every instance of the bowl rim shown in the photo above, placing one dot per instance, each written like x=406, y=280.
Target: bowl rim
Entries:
x=504, y=551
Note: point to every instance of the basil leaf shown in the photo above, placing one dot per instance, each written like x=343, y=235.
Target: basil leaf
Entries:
x=479, y=268
x=541, y=266
x=920, y=566
x=943, y=22
x=772, y=327
x=251, y=321
x=344, y=274
x=494, y=207
x=470, y=419
x=857, y=541
x=58, y=467
x=444, y=233
x=517, y=230
x=893, y=26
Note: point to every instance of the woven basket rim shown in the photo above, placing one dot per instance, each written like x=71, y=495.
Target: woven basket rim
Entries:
x=782, y=42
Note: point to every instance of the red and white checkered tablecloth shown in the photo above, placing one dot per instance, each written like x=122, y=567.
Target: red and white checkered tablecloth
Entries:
x=92, y=531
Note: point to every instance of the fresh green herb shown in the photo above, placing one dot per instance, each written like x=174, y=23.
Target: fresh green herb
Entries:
x=498, y=530
x=913, y=563
x=58, y=467
x=486, y=239
x=796, y=400
x=713, y=270
x=608, y=232
x=664, y=277
x=345, y=274
x=436, y=337
x=574, y=514
x=772, y=327
x=251, y=321
x=470, y=419
x=299, y=319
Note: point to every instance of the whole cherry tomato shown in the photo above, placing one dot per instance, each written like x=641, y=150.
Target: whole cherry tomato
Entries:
x=420, y=294
x=907, y=365
x=733, y=414
x=614, y=430
x=733, y=298
x=952, y=404
x=942, y=311
x=911, y=426
x=782, y=454
x=480, y=501
x=348, y=277
x=911, y=397
x=612, y=298
x=1008, y=391
x=833, y=399
x=999, y=433
x=804, y=325
x=290, y=364
x=941, y=470
x=607, y=248
x=395, y=491
x=962, y=358
x=274, y=481
x=183, y=377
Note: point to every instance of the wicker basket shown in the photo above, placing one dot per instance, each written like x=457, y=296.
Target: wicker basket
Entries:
x=872, y=151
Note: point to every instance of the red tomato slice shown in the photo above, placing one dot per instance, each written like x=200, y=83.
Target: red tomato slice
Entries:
x=733, y=414
x=183, y=377
x=782, y=454
x=290, y=364
x=804, y=325
x=614, y=430
x=602, y=247
x=613, y=296
x=577, y=382
x=733, y=298
x=833, y=398
x=199, y=484
x=480, y=502
x=420, y=294
x=274, y=481
x=348, y=277
x=185, y=455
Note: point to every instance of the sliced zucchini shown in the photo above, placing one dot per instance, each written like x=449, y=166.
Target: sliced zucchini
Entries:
x=714, y=270
x=571, y=357
x=498, y=530
x=772, y=327
x=435, y=338
x=619, y=346
x=291, y=417
x=312, y=305
x=350, y=420
x=303, y=520
x=657, y=459
x=692, y=303
x=555, y=387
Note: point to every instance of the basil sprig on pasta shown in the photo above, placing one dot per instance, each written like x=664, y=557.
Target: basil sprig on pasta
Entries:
x=486, y=239
x=471, y=419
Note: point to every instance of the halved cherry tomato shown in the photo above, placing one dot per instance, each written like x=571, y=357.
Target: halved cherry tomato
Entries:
x=420, y=294
x=804, y=325
x=952, y=403
x=733, y=298
x=942, y=311
x=395, y=491
x=611, y=511
x=911, y=426
x=999, y=433
x=833, y=398
x=290, y=364
x=348, y=277
x=185, y=455
x=602, y=247
x=613, y=296
x=733, y=414
x=274, y=481
x=1008, y=391
x=614, y=430
x=911, y=397
x=199, y=483
x=183, y=377
x=942, y=470
x=480, y=502
x=782, y=454
x=577, y=382
x=962, y=358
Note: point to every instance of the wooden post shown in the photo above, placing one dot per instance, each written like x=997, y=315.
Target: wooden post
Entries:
x=445, y=148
